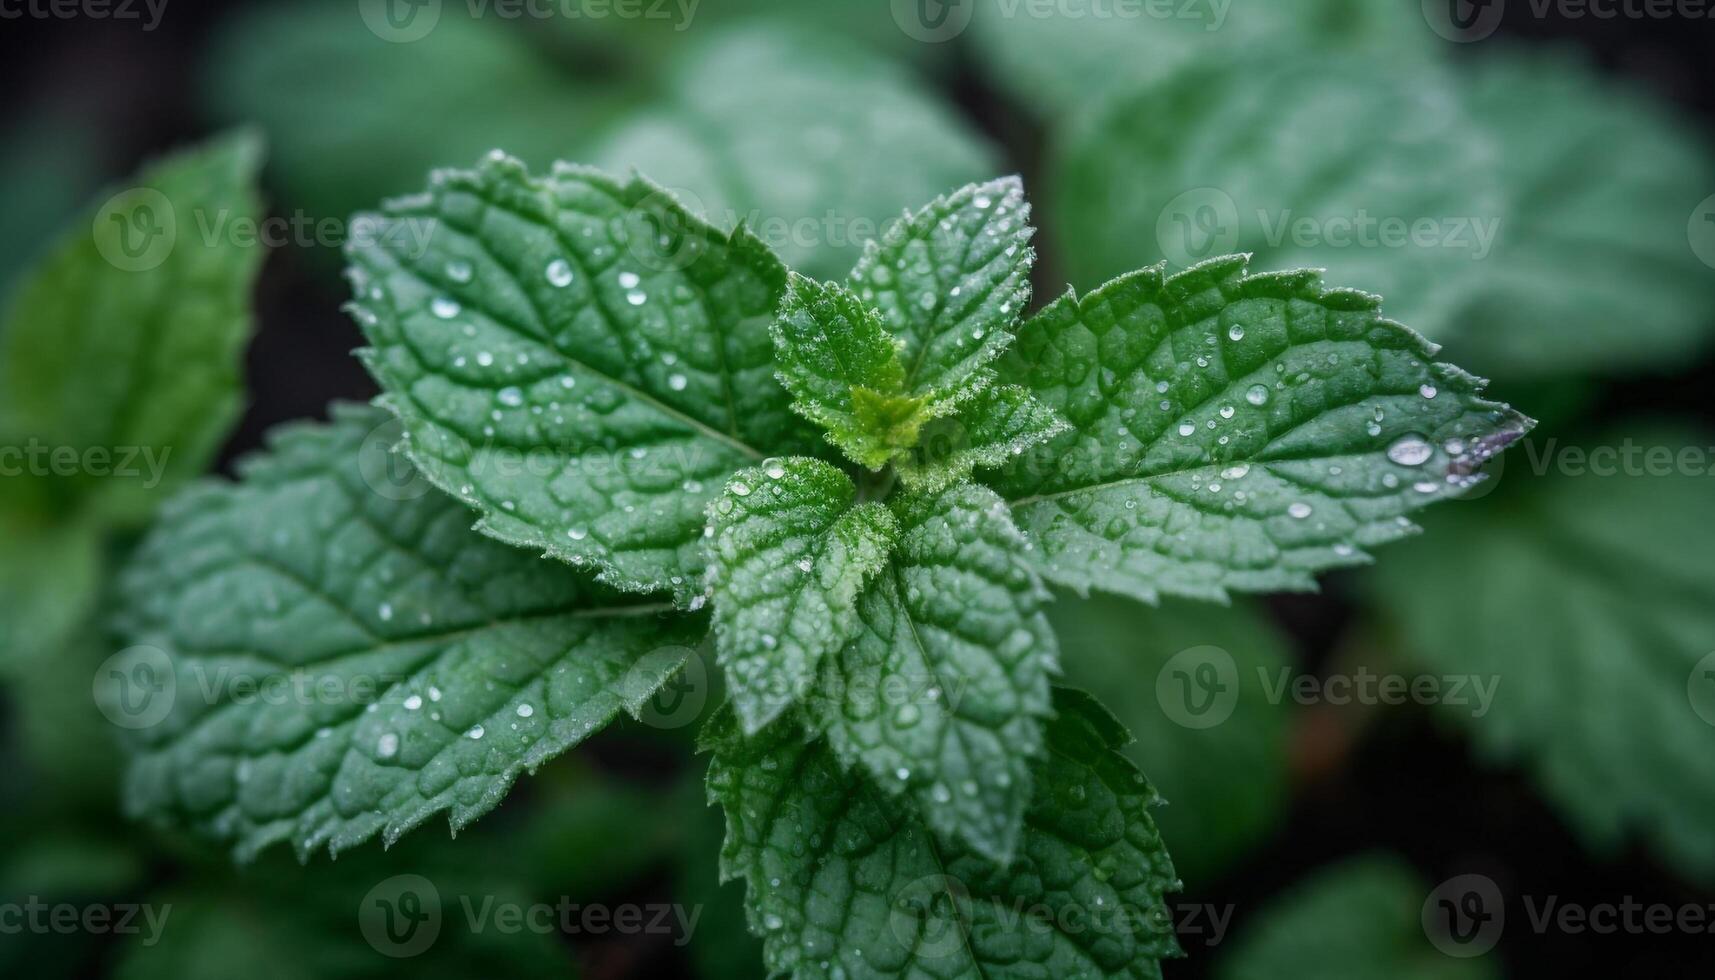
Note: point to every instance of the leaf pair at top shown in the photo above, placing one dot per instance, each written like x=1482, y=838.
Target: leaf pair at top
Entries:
x=931, y=306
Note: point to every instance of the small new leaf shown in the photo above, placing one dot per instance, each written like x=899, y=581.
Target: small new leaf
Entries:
x=788, y=557
x=997, y=424
x=951, y=281
x=842, y=367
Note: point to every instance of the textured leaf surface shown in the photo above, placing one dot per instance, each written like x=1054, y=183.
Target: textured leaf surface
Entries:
x=943, y=690
x=951, y=282
x=414, y=666
x=1591, y=269
x=1057, y=61
x=1374, y=173
x=1234, y=432
x=1357, y=920
x=125, y=339
x=844, y=878
x=583, y=382
x=1589, y=598
x=995, y=425
x=843, y=370
x=815, y=147
x=789, y=556
x=1225, y=780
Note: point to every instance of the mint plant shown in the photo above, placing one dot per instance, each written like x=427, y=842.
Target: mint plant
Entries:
x=860, y=494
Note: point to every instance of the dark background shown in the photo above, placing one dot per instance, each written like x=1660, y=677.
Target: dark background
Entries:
x=1409, y=785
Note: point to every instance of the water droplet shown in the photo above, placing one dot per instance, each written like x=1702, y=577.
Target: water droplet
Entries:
x=458, y=271
x=385, y=612
x=525, y=711
x=1186, y=428
x=559, y=273
x=511, y=397
x=1298, y=509
x=740, y=488
x=677, y=382
x=1410, y=451
x=628, y=280
x=1226, y=411
x=476, y=731
x=485, y=359
x=1257, y=394
x=1235, y=332
x=576, y=533
x=444, y=308
x=1427, y=391
x=387, y=746
x=413, y=702
x=1235, y=471
x=636, y=297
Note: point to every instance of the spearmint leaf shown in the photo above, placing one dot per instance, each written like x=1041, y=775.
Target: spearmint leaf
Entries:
x=577, y=358
x=50, y=579
x=1056, y=63
x=1394, y=191
x=845, y=879
x=788, y=557
x=843, y=370
x=943, y=690
x=330, y=654
x=1577, y=589
x=1590, y=269
x=1219, y=759
x=817, y=148
x=1361, y=919
x=1234, y=432
x=951, y=281
x=123, y=345
x=992, y=427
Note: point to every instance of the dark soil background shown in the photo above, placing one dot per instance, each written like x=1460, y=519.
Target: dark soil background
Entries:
x=1409, y=785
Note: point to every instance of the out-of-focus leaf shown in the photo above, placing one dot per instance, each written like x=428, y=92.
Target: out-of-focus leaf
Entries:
x=1058, y=63
x=1591, y=269
x=49, y=164
x=49, y=578
x=1306, y=163
x=355, y=117
x=1591, y=600
x=813, y=147
x=119, y=355
x=1224, y=782
x=1358, y=920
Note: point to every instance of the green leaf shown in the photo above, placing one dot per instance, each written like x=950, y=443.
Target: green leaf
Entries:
x=843, y=370
x=120, y=352
x=1234, y=432
x=586, y=384
x=788, y=557
x=482, y=81
x=844, y=878
x=992, y=427
x=1360, y=919
x=1588, y=591
x=1056, y=63
x=951, y=281
x=943, y=691
x=50, y=581
x=815, y=147
x=1303, y=162
x=1590, y=271
x=333, y=654
x=1220, y=762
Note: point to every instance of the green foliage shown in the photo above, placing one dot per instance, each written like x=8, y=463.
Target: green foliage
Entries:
x=1576, y=591
x=421, y=667
x=1357, y=920
x=845, y=879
